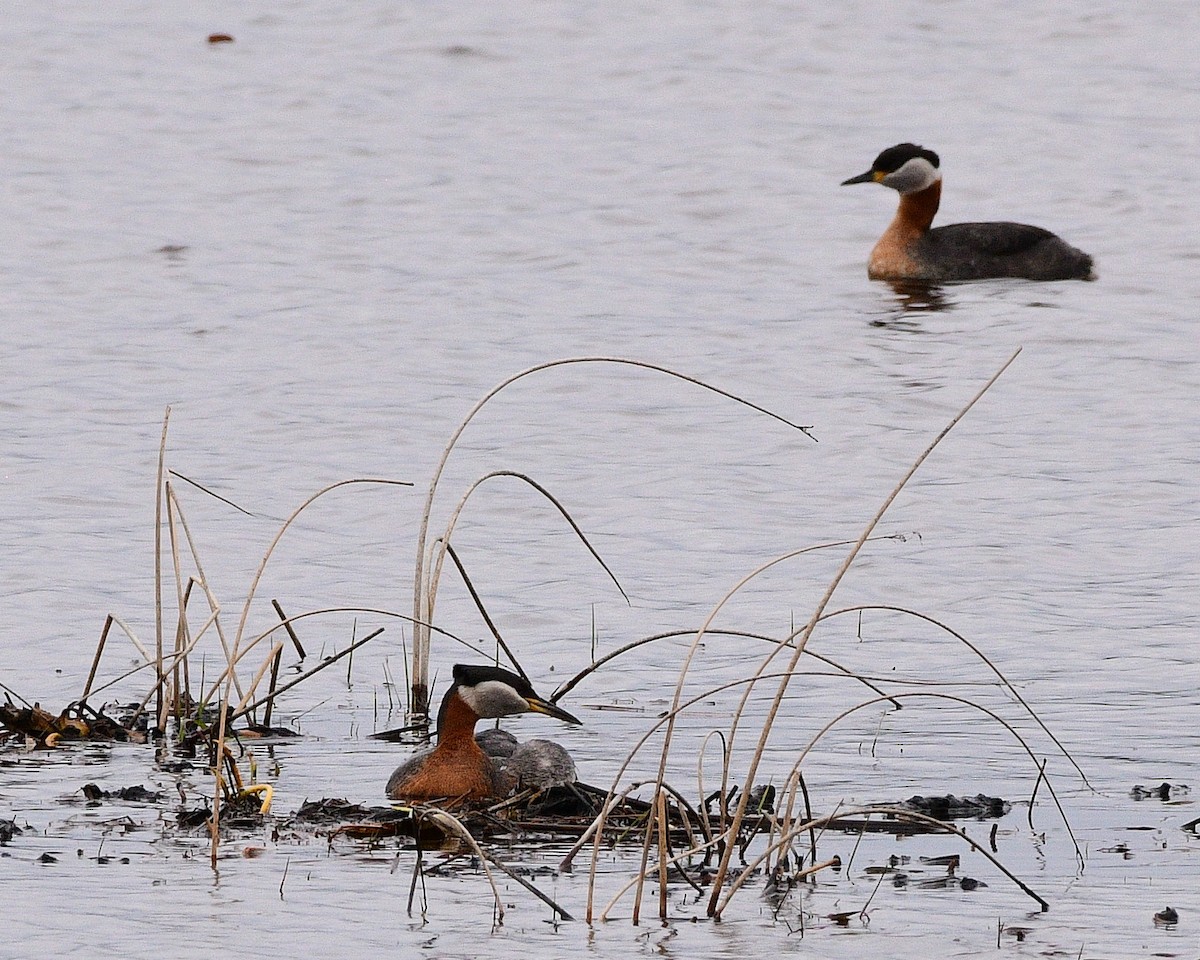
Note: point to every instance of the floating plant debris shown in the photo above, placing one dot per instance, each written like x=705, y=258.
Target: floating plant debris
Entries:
x=76, y=722
x=950, y=807
x=140, y=794
x=1167, y=916
x=1164, y=791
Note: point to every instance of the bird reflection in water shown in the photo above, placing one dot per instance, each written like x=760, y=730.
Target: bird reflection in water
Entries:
x=912, y=297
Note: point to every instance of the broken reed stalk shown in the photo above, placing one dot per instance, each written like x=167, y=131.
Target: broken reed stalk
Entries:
x=211, y=493
x=417, y=873
x=87, y=687
x=158, y=508
x=248, y=647
x=271, y=690
x=423, y=582
x=781, y=690
x=290, y=632
x=812, y=834
x=272, y=657
x=132, y=637
x=513, y=875
x=142, y=666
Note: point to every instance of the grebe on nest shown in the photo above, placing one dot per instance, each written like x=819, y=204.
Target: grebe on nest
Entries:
x=910, y=250
x=459, y=768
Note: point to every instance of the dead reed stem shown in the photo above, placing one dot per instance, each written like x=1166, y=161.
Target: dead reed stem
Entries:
x=795, y=771
x=596, y=829
x=447, y=821
x=462, y=572
x=513, y=875
x=87, y=687
x=444, y=540
x=271, y=690
x=272, y=657
x=423, y=584
x=175, y=508
x=868, y=811
x=773, y=710
x=258, y=574
x=1008, y=685
x=180, y=688
x=158, y=508
x=660, y=813
x=695, y=645
x=242, y=709
x=290, y=632
x=219, y=748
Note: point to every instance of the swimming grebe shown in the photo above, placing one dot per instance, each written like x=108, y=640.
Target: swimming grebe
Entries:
x=910, y=250
x=458, y=768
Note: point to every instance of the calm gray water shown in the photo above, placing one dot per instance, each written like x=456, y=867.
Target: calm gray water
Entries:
x=320, y=244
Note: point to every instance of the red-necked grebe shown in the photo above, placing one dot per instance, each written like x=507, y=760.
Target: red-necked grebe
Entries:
x=458, y=768
x=910, y=250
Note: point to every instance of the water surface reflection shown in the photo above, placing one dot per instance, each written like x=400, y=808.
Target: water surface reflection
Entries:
x=369, y=242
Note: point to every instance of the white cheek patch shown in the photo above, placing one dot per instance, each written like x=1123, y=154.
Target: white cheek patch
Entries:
x=493, y=698
x=916, y=174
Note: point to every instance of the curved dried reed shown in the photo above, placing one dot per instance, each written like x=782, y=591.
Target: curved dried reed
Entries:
x=424, y=584
x=802, y=640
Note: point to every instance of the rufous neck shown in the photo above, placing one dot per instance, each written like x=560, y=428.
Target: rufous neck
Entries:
x=456, y=720
x=918, y=209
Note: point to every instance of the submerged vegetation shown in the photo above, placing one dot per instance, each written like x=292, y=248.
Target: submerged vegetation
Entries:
x=734, y=829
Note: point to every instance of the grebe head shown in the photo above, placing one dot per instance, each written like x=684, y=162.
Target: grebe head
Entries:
x=906, y=168
x=492, y=692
